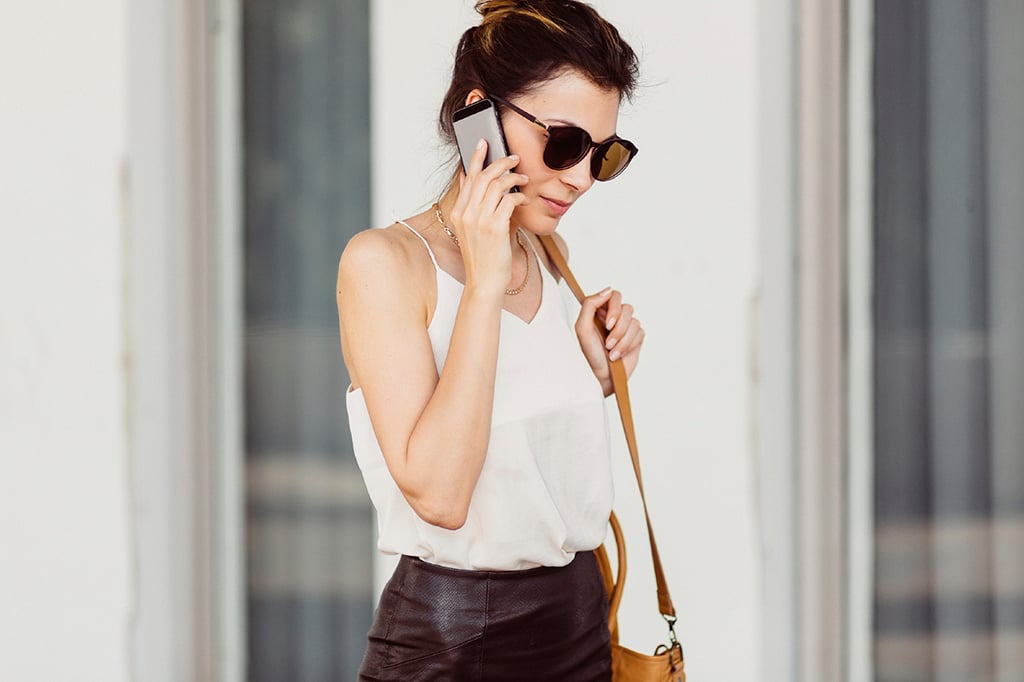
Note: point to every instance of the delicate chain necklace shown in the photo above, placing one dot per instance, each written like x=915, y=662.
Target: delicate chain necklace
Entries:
x=519, y=240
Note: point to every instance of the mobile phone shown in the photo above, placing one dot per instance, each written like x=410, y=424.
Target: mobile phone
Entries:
x=479, y=120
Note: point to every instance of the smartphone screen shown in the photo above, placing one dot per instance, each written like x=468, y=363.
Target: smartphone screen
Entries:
x=479, y=120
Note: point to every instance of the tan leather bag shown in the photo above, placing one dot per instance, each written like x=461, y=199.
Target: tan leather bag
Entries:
x=666, y=664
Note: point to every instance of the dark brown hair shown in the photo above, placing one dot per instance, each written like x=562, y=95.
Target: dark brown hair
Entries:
x=522, y=43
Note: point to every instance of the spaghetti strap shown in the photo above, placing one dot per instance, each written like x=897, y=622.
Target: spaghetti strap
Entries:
x=422, y=239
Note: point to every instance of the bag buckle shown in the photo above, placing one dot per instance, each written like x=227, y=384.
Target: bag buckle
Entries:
x=674, y=648
x=671, y=620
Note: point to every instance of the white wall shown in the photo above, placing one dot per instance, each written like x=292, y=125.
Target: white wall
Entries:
x=676, y=234
x=64, y=500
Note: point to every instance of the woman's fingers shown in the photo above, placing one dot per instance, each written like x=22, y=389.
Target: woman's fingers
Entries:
x=592, y=304
x=481, y=218
x=508, y=203
x=510, y=180
x=623, y=328
x=589, y=335
x=631, y=340
x=476, y=162
x=624, y=332
x=617, y=322
x=482, y=177
x=482, y=190
x=613, y=310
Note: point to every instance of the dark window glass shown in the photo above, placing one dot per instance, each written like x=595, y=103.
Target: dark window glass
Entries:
x=310, y=526
x=949, y=340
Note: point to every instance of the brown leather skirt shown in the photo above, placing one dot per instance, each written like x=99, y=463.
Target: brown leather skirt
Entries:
x=437, y=623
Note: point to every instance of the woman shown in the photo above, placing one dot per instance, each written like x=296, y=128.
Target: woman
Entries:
x=476, y=405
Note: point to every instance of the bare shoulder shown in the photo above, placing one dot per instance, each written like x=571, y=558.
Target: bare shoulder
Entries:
x=390, y=257
x=378, y=251
x=383, y=295
x=385, y=268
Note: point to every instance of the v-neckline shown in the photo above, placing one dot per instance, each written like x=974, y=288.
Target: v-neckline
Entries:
x=543, y=292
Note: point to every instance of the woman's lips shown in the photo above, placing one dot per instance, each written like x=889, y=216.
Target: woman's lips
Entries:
x=557, y=207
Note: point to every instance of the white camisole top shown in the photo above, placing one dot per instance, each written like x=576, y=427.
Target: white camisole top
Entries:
x=545, y=489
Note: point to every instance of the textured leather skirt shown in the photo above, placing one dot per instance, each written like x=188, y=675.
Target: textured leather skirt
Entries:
x=437, y=623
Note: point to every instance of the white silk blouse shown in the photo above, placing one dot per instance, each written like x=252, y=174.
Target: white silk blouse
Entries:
x=545, y=489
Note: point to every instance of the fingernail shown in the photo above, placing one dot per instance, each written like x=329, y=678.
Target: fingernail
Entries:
x=609, y=343
x=614, y=355
x=480, y=143
x=609, y=323
x=514, y=157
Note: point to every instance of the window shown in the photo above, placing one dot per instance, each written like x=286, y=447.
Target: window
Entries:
x=306, y=191
x=948, y=317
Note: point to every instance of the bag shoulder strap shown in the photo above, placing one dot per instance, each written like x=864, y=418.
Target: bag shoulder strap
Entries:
x=618, y=376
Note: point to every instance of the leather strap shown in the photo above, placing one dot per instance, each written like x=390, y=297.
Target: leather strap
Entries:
x=618, y=376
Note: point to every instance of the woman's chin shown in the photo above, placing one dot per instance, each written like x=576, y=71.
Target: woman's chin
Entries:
x=540, y=224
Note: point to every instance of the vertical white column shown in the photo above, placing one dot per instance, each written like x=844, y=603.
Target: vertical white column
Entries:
x=820, y=373
x=227, y=484
x=859, y=363
x=774, y=338
x=176, y=340
x=158, y=379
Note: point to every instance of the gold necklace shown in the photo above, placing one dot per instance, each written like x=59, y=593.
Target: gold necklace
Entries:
x=519, y=239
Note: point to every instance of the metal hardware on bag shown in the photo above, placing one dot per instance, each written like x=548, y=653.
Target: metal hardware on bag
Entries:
x=674, y=643
x=675, y=664
x=671, y=620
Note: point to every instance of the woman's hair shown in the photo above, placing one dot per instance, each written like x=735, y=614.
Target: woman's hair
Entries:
x=522, y=43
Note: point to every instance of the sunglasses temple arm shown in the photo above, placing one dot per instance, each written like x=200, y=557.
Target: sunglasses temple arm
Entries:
x=525, y=114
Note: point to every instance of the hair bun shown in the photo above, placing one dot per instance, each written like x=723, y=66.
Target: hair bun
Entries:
x=485, y=7
x=494, y=10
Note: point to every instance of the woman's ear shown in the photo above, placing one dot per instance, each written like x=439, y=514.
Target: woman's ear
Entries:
x=475, y=95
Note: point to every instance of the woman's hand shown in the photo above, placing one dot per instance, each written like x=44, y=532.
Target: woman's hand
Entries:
x=625, y=335
x=481, y=219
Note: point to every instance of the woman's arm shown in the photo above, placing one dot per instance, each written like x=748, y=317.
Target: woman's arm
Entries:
x=433, y=430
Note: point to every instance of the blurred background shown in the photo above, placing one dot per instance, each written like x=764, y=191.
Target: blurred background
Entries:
x=823, y=234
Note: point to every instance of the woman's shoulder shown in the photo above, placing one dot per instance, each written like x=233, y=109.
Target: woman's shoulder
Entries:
x=388, y=251
x=377, y=247
x=383, y=260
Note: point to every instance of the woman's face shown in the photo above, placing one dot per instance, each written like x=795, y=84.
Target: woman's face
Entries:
x=568, y=99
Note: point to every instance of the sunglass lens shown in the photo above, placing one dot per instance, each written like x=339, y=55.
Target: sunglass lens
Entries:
x=611, y=158
x=565, y=147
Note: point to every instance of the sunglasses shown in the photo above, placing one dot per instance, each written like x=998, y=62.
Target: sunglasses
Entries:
x=568, y=145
